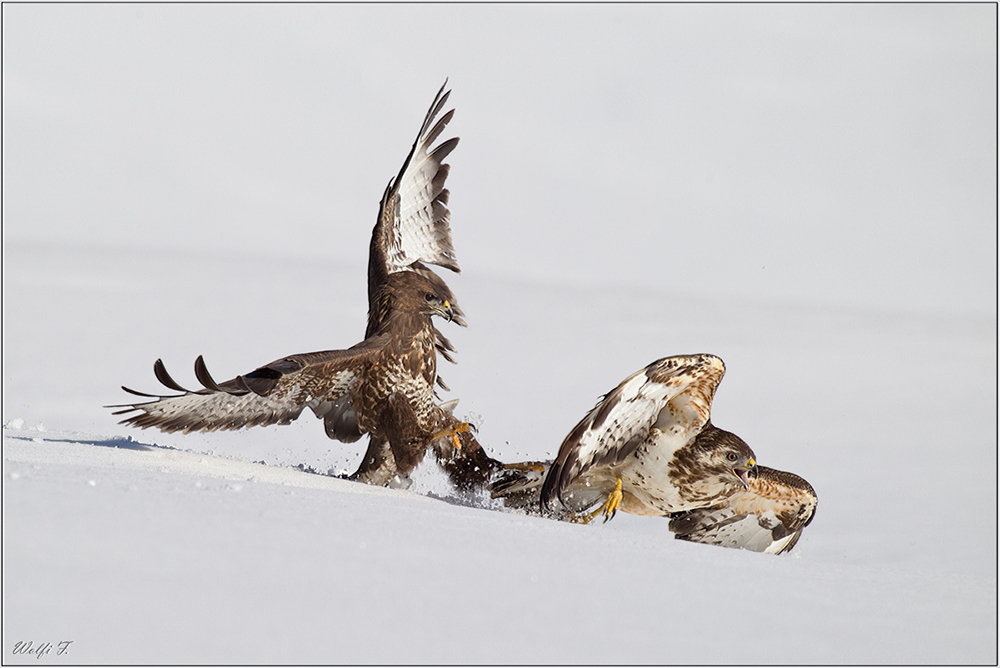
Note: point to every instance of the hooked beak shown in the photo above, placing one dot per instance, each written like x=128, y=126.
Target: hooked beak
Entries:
x=743, y=473
x=457, y=316
x=445, y=311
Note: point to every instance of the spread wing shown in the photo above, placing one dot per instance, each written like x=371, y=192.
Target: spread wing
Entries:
x=768, y=517
x=272, y=394
x=413, y=221
x=672, y=394
x=412, y=228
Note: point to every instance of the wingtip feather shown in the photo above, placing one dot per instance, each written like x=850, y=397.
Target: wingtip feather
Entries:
x=203, y=376
x=160, y=370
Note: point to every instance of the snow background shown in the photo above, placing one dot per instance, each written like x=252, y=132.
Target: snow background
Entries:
x=807, y=191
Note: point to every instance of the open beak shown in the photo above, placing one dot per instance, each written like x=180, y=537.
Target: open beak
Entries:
x=744, y=473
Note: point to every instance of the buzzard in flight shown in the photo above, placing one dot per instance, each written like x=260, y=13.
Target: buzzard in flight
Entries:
x=382, y=386
x=649, y=448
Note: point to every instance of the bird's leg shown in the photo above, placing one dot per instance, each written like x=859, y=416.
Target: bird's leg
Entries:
x=378, y=465
x=453, y=431
x=609, y=508
x=614, y=501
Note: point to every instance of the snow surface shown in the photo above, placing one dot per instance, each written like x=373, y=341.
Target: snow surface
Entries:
x=217, y=200
x=143, y=553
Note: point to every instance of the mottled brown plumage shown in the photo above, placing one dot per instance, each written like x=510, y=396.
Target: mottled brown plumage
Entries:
x=383, y=386
x=769, y=516
x=413, y=228
x=649, y=448
x=468, y=467
x=652, y=432
x=413, y=225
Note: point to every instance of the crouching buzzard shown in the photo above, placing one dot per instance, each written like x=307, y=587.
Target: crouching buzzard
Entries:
x=383, y=386
x=768, y=516
x=649, y=448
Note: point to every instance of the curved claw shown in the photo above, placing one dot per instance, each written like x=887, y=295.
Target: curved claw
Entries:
x=453, y=431
x=614, y=501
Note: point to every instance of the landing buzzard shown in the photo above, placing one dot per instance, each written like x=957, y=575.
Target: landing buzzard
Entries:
x=383, y=386
x=649, y=448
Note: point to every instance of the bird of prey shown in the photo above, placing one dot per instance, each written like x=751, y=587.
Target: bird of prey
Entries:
x=769, y=516
x=382, y=386
x=412, y=229
x=649, y=448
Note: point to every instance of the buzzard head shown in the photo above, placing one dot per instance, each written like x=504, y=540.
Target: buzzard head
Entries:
x=743, y=467
x=737, y=459
x=437, y=305
x=407, y=294
x=440, y=289
x=434, y=296
x=718, y=460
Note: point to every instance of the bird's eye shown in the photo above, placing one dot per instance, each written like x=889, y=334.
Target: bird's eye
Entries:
x=429, y=297
x=732, y=457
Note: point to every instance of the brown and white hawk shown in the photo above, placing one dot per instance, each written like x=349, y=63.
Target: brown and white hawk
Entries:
x=768, y=516
x=384, y=385
x=649, y=448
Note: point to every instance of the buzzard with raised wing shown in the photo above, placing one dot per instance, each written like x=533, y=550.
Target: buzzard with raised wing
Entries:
x=384, y=385
x=413, y=229
x=649, y=448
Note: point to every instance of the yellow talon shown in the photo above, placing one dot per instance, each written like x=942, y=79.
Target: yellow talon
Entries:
x=614, y=502
x=453, y=431
x=609, y=508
